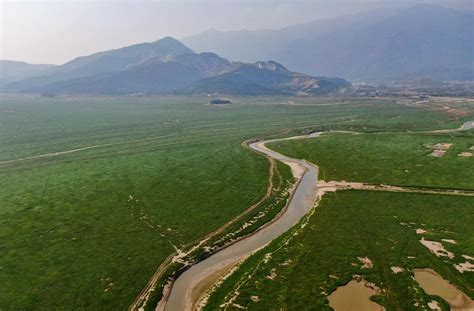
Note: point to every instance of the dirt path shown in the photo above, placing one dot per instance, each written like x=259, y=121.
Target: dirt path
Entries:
x=342, y=185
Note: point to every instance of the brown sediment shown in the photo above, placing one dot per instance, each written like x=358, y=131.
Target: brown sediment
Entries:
x=434, y=305
x=450, y=241
x=436, y=248
x=433, y=284
x=202, y=285
x=367, y=263
x=397, y=269
x=343, y=185
x=439, y=149
x=355, y=295
x=272, y=275
x=438, y=153
x=464, y=267
x=255, y=298
x=439, y=146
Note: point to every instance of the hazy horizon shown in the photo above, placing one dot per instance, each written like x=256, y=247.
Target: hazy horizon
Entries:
x=32, y=31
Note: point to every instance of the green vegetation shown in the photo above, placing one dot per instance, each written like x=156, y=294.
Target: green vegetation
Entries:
x=87, y=229
x=261, y=213
x=390, y=158
x=305, y=265
x=350, y=224
x=267, y=210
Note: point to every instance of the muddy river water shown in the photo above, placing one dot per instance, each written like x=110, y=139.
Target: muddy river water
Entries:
x=190, y=285
x=355, y=295
x=433, y=284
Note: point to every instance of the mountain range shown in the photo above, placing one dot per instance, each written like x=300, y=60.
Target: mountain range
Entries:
x=374, y=46
x=410, y=44
x=167, y=67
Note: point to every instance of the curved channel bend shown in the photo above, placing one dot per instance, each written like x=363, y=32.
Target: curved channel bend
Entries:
x=189, y=285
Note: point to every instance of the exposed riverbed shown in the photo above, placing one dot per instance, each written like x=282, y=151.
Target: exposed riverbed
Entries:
x=189, y=286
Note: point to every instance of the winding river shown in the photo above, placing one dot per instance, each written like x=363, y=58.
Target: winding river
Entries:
x=190, y=285
x=193, y=283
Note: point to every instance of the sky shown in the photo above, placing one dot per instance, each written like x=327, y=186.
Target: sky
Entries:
x=52, y=31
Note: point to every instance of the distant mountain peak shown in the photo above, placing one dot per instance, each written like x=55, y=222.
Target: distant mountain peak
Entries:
x=170, y=41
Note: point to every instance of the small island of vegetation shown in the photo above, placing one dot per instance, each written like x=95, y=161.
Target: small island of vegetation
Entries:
x=220, y=101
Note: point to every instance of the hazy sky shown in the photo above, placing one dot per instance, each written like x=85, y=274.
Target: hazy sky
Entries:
x=51, y=31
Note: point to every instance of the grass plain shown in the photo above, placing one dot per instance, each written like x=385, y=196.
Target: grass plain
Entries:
x=302, y=268
x=390, y=158
x=298, y=272
x=86, y=229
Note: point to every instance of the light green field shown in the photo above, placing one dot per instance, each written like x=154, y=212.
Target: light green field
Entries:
x=86, y=229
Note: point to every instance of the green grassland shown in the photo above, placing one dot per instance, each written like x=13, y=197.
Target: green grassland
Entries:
x=351, y=224
x=390, y=158
x=282, y=182
x=87, y=229
x=243, y=225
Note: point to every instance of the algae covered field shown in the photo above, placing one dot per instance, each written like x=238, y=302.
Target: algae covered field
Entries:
x=95, y=193
x=347, y=230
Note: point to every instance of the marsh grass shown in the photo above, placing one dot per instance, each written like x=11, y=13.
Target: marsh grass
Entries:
x=387, y=158
x=351, y=224
x=87, y=229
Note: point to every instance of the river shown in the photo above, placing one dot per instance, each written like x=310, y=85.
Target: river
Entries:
x=190, y=285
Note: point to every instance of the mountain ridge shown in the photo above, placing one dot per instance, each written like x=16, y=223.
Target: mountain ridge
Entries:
x=169, y=67
x=372, y=46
